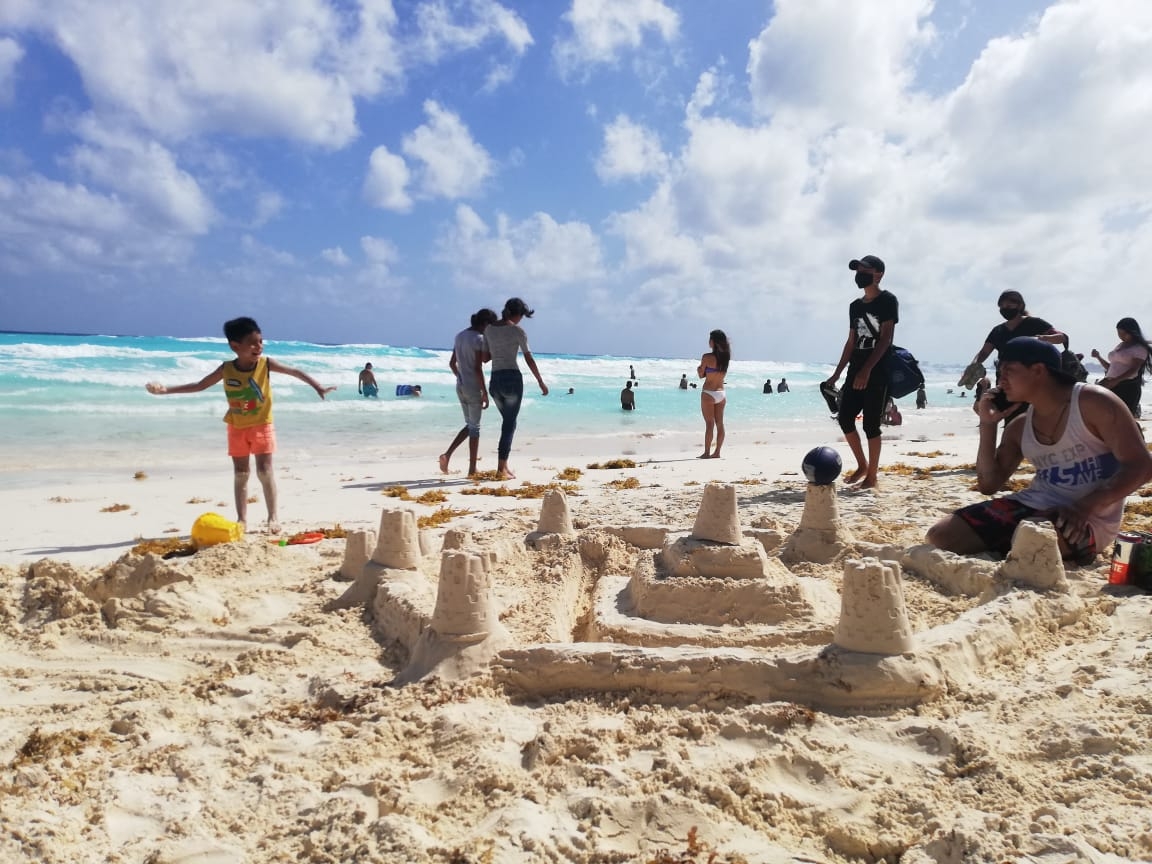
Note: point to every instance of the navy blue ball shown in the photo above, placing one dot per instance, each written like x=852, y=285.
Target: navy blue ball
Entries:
x=821, y=465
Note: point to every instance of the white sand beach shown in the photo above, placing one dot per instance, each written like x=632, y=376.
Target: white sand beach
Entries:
x=229, y=706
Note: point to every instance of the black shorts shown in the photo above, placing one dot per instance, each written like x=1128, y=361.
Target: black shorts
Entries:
x=995, y=521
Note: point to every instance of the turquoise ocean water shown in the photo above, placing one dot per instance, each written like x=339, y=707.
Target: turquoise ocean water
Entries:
x=82, y=398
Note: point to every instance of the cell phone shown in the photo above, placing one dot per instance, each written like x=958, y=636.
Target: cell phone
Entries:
x=1001, y=401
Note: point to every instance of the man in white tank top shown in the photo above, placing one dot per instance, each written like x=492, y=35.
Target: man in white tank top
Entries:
x=1086, y=447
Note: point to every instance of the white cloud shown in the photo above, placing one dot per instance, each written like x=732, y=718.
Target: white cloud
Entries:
x=1031, y=174
x=291, y=69
x=444, y=28
x=269, y=205
x=287, y=69
x=452, y=164
x=537, y=253
x=603, y=29
x=46, y=225
x=257, y=253
x=630, y=150
x=387, y=181
x=335, y=255
x=379, y=253
x=144, y=172
x=1072, y=98
x=10, y=55
x=839, y=62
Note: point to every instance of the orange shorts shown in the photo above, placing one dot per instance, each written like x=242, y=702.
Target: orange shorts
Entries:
x=251, y=441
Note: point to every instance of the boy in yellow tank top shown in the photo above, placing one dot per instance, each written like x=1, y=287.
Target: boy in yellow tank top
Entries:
x=248, y=388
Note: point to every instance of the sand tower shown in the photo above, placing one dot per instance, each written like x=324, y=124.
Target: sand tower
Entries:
x=821, y=536
x=1035, y=557
x=718, y=519
x=555, y=521
x=873, y=619
x=358, y=546
x=397, y=548
x=465, y=631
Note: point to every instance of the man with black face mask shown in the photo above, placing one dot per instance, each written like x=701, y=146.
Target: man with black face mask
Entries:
x=871, y=327
x=1017, y=322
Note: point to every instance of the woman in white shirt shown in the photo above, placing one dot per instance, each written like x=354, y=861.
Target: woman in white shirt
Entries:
x=1126, y=364
x=502, y=342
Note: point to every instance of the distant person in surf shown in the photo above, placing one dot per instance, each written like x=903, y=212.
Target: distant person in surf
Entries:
x=367, y=386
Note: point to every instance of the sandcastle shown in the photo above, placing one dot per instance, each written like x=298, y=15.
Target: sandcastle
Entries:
x=821, y=536
x=710, y=611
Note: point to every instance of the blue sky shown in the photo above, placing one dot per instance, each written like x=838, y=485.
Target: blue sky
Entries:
x=640, y=171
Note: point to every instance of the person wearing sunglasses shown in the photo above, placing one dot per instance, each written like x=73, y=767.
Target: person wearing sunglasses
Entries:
x=1017, y=322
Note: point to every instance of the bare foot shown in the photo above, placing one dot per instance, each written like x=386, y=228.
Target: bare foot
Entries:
x=856, y=476
x=273, y=526
x=506, y=474
x=443, y=463
x=869, y=483
x=715, y=455
x=704, y=455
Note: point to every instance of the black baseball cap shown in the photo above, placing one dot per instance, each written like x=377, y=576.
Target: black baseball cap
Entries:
x=1029, y=351
x=868, y=262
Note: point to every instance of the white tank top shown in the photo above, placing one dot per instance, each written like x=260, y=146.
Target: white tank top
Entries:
x=1071, y=468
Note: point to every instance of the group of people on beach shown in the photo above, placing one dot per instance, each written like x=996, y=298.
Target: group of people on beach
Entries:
x=1083, y=439
x=489, y=338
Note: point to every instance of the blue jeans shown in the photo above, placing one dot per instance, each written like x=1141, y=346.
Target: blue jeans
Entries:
x=506, y=392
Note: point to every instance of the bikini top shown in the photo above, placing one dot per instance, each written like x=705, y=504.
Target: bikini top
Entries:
x=708, y=370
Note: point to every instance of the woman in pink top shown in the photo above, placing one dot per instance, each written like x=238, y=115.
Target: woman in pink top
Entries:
x=1126, y=364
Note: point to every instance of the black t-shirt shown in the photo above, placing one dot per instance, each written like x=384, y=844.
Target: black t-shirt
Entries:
x=861, y=313
x=1030, y=326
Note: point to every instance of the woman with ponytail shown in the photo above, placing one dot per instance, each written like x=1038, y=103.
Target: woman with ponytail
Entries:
x=1126, y=364
x=713, y=368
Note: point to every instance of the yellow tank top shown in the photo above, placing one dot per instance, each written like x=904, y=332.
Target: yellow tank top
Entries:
x=249, y=395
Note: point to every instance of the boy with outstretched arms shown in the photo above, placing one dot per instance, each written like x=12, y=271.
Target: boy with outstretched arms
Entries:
x=248, y=389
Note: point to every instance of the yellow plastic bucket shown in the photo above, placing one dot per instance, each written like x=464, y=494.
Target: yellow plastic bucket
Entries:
x=212, y=528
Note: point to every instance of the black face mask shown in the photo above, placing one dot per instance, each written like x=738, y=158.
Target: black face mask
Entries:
x=863, y=280
x=1009, y=313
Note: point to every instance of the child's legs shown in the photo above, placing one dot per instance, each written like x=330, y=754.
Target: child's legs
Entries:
x=268, y=482
x=240, y=487
x=258, y=441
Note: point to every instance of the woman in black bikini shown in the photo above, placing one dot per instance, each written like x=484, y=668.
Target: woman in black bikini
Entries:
x=713, y=367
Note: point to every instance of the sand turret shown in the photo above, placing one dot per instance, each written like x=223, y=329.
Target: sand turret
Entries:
x=397, y=548
x=718, y=519
x=555, y=521
x=465, y=631
x=358, y=546
x=554, y=515
x=873, y=618
x=1035, y=557
x=821, y=536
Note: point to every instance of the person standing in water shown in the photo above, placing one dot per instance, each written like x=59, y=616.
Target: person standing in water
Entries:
x=504, y=340
x=366, y=385
x=713, y=369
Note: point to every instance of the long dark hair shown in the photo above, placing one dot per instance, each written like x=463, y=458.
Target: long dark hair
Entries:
x=720, y=349
x=1129, y=325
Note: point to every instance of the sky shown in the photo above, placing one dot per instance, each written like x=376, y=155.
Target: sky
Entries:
x=639, y=171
